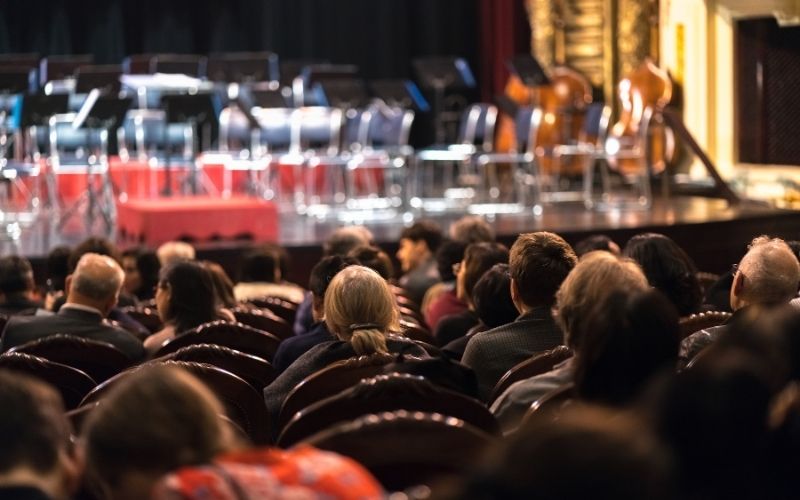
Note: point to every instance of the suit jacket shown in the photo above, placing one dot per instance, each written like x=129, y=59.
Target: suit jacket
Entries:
x=18, y=303
x=493, y=352
x=292, y=348
x=417, y=281
x=77, y=322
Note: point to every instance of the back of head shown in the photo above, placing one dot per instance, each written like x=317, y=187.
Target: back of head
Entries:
x=97, y=279
x=192, y=296
x=492, y=297
x=629, y=337
x=96, y=245
x=360, y=308
x=155, y=420
x=345, y=239
x=597, y=275
x=33, y=428
x=58, y=267
x=472, y=229
x=324, y=271
x=223, y=286
x=479, y=258
x=16, y=275
x=770, y=272
x=174, y=251
x=596, y=242
x=539, y=263
x=375, y=259
x=147, y=264
x=450, y=252
x=424, y=230
x=260, y=265
x=668, y=268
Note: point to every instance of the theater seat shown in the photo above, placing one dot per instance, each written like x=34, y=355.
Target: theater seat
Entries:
x=390, y=392
x=700, y=321
x=551, y=403
x=416, y=332
x=256, y=371
x=404, y=449
x=99, y=360
x=71, y=383
x=263, y=319
x=536, y=365
x=283, y=308
x=147, y=316
x=234, y=335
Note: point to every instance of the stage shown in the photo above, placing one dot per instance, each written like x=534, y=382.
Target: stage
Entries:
x=714, y=233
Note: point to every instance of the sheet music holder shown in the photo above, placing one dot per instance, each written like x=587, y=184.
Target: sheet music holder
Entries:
x=345, y=93
x=268, y=98
x=241, y=67
x=527, y=68
x=442, y=74
x=36, y=109
x=103, y=77
x=100, y=111
x=400, y=93
x=16, y=80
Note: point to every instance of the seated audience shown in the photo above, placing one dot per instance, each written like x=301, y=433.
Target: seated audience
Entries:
x=668, y=269
x=375, y=259
x=539, y=263
x=174, y=251
x=37, y=461
x=223, y=286
x=360, y=310
x=17, y=287
x=768, y=274
x=471, y=229
x=491, y=297
x=161, y=419
x=478, y=258
x=597, y=275
x=596, y=242
x=321, y=275
x=57, y=268
x=185, y=299
x=440, y=300
x=92, y=291
x=418, y=245
x=141, y=268
x=262, y=275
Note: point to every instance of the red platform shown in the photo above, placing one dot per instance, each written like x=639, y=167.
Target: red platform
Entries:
x=153, y=222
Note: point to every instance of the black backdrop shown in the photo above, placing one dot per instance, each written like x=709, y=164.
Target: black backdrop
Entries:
x=381, y=36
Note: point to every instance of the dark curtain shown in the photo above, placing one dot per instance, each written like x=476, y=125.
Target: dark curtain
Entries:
x=505, y=31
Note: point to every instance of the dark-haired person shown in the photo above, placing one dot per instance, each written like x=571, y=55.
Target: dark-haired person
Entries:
x=262, y=276
x=141, y=268
x=418, y=245
x=17, y=287
x=668, y=268
x=596, y=242
x=36, y=458
x=92, y=291
x=441, y=300
x=538, y=264
x=321, y=275
x=375, y=259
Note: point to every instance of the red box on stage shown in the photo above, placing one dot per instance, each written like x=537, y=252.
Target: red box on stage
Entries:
x=200, y=218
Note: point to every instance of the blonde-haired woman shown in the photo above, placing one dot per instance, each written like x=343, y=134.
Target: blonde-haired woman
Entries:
x=360, y=310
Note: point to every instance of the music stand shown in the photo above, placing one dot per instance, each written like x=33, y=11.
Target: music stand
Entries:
x=344, y=93
x=35, y=110
x=199, y=112
x=241, y=67
x=400, y=93
x=528, y=70
x=105, y=78
x=289, y=70
x=61, y=67
x=441, y=74
x=268, y=98
x=320, y=73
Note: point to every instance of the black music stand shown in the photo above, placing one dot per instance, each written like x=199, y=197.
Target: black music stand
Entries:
x=344, y=93
x=441, y=74
x=242, y=67
x=528, y=70
x=289, y=70
x=35, y=110
x=321, y=74
x=105, y=77
x=199, y=112
x=61, y=67
x=400, y=93
x=268, y=98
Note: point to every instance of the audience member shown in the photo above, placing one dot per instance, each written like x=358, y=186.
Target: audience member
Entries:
x=141, y=268
x=596, y=242
x=57, y=269
x=375, y=259
x=768, y=274
x=418, y=245
x=321, y=275
x=668, y=269
x=493, y=306
x=471, y=229
x=92, y=291
x=597, y=275
x=185, y=299
x=174, y=251
x=262, y=275
x=17, y=286
x=37, y=461
x=360, y=311
x=539, y=263
x=223, y=286
x=440, y=300
x=478, y=258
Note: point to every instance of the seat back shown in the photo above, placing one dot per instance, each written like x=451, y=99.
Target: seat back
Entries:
x=403, y=449
x=696, y=322
x=596, y=121
x=477, y=126
x=276, y=127
x=264, y=319
x=390, y=392
x=234, y=335
x=526, y=128
x=317, y=129
x=707, y=280
x=551, y=403
x=256, y=371
x=283, y=308
x=536, y=365
x=148, y=317
x=100, y=360
x=71, y=383
x=329, y=381
x=389, y=127
x=416, y=332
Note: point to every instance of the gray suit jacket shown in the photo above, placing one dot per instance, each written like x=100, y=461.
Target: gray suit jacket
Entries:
x=493, y=352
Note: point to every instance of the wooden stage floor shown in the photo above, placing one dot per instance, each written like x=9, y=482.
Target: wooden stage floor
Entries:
x=712, y=232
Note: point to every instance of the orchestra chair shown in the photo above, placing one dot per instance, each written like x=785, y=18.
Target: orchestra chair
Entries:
x=390, y=392
x=257, y=372
x=404, y=449
x=71, y=383
x=263, y=319
x=700, y=321
x=536, y=365
x=146, y=316
x=99, y=360
x=233, y=335
x=329, y=381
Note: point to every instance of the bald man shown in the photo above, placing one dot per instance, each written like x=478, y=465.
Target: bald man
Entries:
x=92, y=291
x=767, y=275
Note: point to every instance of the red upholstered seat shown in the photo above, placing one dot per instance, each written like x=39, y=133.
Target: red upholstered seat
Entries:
x=263, y=319
x=255, y=371
x=147, y=316
x=700, y=321
x=283, y=308
x=71, y=383
x=234, y=335
x=536, y=365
